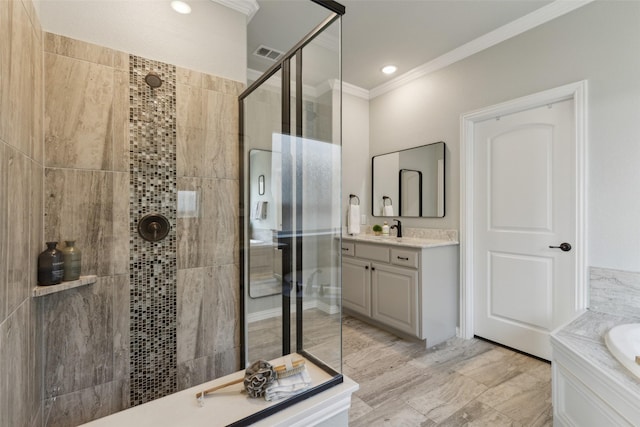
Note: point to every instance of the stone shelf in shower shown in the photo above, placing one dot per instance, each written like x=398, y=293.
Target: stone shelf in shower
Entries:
x=40, y=291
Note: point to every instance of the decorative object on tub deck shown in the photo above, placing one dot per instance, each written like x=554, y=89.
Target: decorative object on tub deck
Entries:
x=259, y=376
x=353, y=215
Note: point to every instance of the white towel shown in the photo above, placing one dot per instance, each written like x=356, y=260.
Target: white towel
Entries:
x=387, y=210
x=289, y=386
x=260, y=210
x=263, y=210
x=353, y=219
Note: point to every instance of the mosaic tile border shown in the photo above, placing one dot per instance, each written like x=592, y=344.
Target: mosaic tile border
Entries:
x=152, y=188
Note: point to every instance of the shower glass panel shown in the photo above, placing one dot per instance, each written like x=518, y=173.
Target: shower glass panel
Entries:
x=291, y=222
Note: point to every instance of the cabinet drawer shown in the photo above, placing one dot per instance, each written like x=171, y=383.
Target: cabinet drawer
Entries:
x=372, y=252
x=348, y=249
x=404, y=258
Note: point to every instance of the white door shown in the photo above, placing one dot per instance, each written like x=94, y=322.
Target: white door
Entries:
x=524, y=202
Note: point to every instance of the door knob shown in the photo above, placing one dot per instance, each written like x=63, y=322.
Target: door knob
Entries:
x=563, y=247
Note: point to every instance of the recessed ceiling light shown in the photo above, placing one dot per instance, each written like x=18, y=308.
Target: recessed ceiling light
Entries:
x=181, y=7
x=389, y=69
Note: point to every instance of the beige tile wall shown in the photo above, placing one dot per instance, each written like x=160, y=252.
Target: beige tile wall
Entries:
x=207, y=164
x=86, y=188
x=86, y=197
x=21, y=173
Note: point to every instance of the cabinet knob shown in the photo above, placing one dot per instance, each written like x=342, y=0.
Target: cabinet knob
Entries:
x=373, y=268
x=366, y=267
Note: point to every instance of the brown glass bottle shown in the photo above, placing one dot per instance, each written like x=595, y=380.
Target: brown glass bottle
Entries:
x=50, y=266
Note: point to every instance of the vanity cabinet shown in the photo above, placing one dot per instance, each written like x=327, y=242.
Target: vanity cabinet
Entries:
x=410, y=289
x=394, y=296
x=356, y=289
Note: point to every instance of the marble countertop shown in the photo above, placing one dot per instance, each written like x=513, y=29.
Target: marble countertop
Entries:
x=584, y=336
x=412, y=242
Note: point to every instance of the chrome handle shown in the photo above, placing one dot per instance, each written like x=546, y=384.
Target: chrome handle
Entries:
x=566, y=247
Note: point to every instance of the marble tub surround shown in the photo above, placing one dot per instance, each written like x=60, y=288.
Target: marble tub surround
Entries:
x=583, y=342
x=21, y=195
x=614, y=300
x=615, y=292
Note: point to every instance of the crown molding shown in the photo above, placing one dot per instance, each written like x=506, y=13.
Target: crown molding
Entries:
x=246, y=7
x=348, y=88
x=354, y=90
x=507, y=31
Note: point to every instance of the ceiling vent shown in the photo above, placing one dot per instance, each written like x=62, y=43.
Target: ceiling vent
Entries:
x=268, y=53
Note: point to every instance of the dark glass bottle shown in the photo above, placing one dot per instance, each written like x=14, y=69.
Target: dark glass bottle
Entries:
x=72, y=259
x=50, y=266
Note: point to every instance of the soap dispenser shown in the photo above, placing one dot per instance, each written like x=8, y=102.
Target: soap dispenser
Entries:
x=385, y=229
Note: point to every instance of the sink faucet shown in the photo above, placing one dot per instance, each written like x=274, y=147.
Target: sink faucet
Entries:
x=398, y=227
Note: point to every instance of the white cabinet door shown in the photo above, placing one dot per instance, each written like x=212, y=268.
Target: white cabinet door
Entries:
x=395, y=297
x=356, y=285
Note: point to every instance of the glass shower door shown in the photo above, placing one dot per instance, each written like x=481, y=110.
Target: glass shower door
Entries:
x=292, y=223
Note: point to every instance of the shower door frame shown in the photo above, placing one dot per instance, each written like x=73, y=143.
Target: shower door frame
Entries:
x=285, y=239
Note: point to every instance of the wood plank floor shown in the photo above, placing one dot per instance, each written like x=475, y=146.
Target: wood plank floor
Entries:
x=458, y=383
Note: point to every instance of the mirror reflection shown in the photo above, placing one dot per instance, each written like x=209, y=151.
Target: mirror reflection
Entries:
x=265, y=257
x=409, y=183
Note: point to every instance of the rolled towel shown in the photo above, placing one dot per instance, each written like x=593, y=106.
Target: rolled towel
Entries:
x=387, y=210
x=353, y=219
x=289, y=386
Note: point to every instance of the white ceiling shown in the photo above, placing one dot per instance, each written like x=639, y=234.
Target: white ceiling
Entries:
x=407, y=33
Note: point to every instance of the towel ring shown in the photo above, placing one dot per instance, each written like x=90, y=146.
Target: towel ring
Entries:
x=384, y=201
x=353, y=196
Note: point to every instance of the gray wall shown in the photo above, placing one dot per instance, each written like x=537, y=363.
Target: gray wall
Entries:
x=598, y=42
x=356, y=161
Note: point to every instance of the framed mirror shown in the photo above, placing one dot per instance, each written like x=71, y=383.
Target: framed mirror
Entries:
x=409, y=183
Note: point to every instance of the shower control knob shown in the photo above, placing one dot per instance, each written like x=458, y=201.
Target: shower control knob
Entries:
x=153, y=227
x=566, y=247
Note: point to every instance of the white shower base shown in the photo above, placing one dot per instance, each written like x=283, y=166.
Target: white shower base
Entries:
x=328, y=409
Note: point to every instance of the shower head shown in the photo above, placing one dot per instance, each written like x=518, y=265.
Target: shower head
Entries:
x=153, y=80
